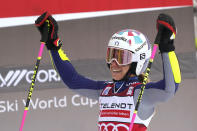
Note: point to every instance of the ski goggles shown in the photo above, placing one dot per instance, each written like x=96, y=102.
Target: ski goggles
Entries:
x=122, y=57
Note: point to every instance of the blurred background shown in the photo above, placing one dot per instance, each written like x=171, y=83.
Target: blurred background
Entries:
x=85, y=27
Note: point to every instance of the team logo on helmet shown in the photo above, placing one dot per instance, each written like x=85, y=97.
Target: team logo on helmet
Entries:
x=133, y=34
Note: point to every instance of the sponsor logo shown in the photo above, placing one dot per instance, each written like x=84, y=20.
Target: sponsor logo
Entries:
x=14, y=77
x=119, y=38
x=130, y=90
x=131, y=83
x=116, y=43
x=106, y=91
x=104, y=127
x=139, y=48
x=115, y=113
x=43, y=104
x=116, y=105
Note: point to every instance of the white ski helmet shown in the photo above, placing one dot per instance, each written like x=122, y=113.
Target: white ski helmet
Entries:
x=135, y=43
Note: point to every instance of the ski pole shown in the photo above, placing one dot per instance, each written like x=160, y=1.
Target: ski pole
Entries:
x=32, y=85
x=143, y=86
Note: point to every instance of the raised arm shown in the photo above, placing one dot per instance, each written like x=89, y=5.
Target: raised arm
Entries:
x=62, y=63
x=164, y=89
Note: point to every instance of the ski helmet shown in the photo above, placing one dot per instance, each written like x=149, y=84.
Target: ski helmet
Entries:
x=127, y=46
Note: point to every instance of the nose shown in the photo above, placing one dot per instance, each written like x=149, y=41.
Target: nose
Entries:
x=114, y=63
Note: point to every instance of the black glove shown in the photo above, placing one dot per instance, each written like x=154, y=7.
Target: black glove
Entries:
x=166, y=33
x=51, y=38
x=41, y=24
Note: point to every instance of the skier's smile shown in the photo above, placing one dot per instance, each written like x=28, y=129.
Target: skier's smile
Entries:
x=117, y=71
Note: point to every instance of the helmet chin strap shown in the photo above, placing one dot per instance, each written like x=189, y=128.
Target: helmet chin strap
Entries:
x=131, y=71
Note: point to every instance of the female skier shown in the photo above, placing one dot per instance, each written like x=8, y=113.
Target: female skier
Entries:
x=128, y=53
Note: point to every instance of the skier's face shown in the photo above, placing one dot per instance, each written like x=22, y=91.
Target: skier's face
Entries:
x=117, y=71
